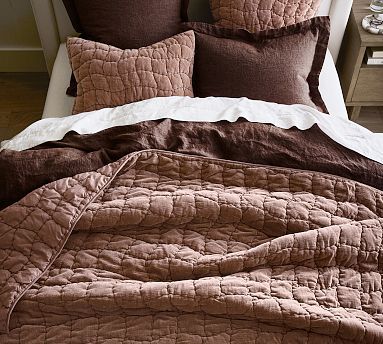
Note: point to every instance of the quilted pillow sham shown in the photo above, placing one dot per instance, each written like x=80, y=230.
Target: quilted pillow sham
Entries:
x=257, y=15
x=109, y=77
x=280, y=66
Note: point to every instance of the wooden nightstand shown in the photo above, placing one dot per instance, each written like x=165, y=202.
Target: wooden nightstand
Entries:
x=362, y=84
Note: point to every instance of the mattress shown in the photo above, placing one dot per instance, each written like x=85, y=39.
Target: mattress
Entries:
x=58, y=104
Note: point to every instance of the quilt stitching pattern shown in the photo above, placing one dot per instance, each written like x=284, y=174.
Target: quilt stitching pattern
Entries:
x=108, y=76
x=194, y=249
x=29, y=242
x=258, y=15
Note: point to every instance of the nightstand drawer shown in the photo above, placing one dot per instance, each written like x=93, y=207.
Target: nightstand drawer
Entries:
x=369, y=86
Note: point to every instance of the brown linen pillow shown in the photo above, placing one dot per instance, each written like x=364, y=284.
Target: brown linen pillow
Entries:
x=281, y=65
x=127, y=24
x=108, y=76
x=257, y=15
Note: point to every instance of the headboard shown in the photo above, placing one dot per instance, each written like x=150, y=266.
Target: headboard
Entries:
x=54, y=25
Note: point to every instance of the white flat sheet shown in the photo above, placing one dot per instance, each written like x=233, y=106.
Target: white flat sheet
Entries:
x=341, y=130
x=58, y=104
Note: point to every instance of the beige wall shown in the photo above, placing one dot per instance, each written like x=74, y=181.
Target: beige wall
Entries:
x=20, y=47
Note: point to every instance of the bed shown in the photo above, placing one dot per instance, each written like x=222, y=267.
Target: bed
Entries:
x=199, y=193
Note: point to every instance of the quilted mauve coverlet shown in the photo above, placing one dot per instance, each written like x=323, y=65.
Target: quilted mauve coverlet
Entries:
x=168, y=248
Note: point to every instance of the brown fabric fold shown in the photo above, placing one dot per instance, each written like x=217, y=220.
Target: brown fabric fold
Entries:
x=22, y=172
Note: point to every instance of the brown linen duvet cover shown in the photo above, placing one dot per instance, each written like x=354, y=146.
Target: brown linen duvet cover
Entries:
x=164, y=246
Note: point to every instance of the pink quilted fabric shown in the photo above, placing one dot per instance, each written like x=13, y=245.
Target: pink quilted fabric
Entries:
x=257, y=15
x=109, y=77
x=160, y=247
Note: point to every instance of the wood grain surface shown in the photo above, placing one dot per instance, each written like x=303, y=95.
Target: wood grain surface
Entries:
x=22, y=98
